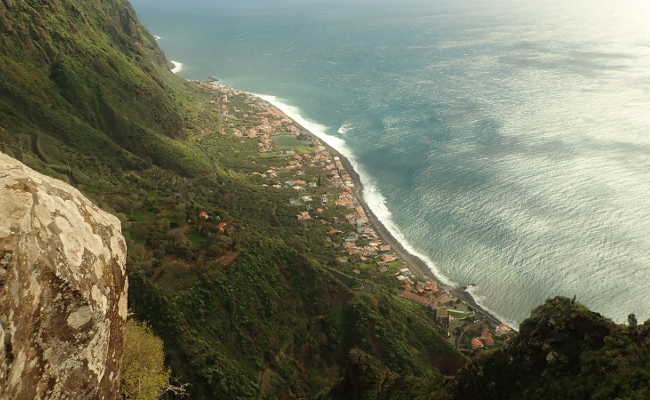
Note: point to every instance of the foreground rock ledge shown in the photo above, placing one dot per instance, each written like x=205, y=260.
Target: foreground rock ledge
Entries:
x=63, y=290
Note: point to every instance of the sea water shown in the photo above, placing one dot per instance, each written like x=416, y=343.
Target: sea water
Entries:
x=505, y=142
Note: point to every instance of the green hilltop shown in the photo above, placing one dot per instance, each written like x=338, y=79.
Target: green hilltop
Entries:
x=251, y=302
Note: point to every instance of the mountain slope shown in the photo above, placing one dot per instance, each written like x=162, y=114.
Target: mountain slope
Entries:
x=255, y=311
x=86, y=77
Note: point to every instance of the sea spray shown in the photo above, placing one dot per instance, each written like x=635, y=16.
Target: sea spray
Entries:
x=178, y=67
x=345, y=128
x=474, y=291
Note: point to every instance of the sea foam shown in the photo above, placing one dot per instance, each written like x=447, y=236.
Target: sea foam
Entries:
x=178, y=67
x=345, y=128
x=473, y=290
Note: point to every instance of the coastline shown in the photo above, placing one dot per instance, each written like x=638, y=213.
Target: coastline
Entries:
x=415, y=264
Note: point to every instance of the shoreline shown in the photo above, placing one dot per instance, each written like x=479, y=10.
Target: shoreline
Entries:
x=415, y=264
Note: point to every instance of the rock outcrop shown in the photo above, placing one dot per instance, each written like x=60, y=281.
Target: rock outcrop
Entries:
x=63, y=290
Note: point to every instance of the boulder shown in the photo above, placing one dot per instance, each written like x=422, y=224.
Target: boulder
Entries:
x=63, y=290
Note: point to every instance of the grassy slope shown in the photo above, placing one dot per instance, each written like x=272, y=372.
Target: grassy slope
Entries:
x=85, y=96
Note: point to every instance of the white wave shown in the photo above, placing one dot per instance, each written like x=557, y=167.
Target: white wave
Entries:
x=473, y=290
x=371, y=194
x=178, y=67
x=345, y=128
x=157, y=37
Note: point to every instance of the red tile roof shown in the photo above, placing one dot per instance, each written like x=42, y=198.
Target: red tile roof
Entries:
x=418, y=299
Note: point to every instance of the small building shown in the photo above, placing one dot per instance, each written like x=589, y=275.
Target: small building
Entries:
x=222, y=226
x=352, y=237
x=503, y=329
x=415, y=298
x=487, y=338
x=204, y=215
x=477, y=344
x=303, y=216
x=431, y=286
x=442, y=316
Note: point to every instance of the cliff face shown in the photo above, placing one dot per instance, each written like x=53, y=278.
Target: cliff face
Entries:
x=63, y=290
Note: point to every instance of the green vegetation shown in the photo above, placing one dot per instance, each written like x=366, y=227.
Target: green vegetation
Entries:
x=563, y=351
x=144, y=376
x=258, y=308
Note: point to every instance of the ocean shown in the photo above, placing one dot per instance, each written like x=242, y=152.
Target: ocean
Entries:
x=505, y=142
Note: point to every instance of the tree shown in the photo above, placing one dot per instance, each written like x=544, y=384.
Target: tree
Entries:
x=144, y=375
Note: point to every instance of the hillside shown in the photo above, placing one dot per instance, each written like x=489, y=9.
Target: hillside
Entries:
x=253, y=289
x=257, y=308
x=564, y=351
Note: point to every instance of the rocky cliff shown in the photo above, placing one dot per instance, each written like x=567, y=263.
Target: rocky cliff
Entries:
x=63, y=290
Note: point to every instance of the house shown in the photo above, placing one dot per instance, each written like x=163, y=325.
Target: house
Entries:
x=385, y=247
x=477, y=344
x=303, y=216
x=487, y=338
x=431, y=286
x=442, y=316
x=222, y=226
x=204, y=215
x=352, y=237
x=503, y=329
x=418, y=299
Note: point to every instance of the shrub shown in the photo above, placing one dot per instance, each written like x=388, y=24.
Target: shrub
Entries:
x=144, y=375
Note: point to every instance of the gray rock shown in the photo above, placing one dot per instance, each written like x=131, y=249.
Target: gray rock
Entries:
x=63, y=290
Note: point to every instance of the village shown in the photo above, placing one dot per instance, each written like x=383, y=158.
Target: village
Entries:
x=323, y=191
